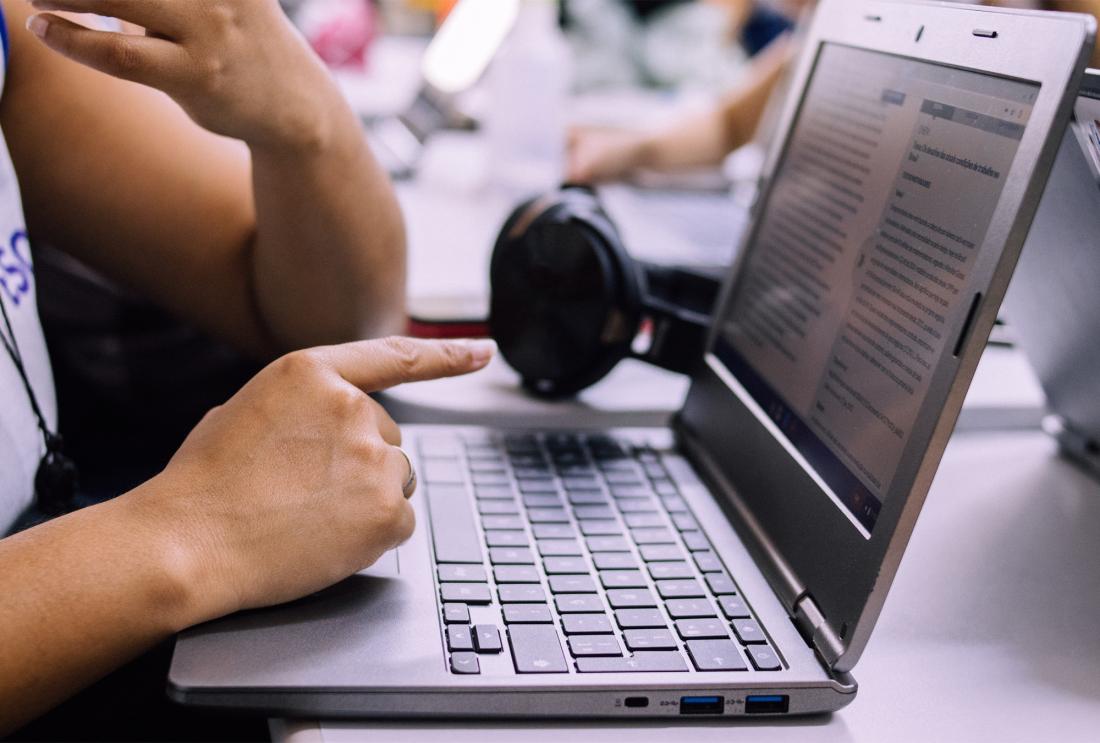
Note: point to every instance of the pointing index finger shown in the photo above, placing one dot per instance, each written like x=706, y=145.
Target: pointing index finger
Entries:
x=376, y=365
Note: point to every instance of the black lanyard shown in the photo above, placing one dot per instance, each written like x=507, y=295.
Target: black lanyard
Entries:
x=55, y=480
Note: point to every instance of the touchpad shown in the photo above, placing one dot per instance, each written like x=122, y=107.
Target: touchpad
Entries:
x=387, y=566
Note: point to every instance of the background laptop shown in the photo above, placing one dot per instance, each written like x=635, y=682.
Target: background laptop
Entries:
x=735, y=563
x=1053, y=306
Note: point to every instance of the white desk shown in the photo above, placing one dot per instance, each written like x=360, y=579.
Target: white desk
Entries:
x=989, y=634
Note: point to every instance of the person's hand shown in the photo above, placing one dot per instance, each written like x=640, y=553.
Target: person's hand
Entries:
x=597, y=154
x=237, y=67
x=295, y=482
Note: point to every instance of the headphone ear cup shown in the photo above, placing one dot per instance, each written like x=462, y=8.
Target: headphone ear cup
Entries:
x=564, y=307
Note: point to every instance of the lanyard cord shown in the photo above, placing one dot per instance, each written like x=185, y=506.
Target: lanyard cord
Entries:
x=11, y=345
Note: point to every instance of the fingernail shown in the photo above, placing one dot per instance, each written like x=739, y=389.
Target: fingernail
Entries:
x=38, y=25
x=482, y=349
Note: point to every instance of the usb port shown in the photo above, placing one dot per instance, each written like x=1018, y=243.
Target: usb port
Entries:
x=763, y=704
x=702, y=705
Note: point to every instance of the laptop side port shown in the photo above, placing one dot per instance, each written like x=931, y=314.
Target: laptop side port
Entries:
x=636, y=702
x=764, y=704
x=702, y=705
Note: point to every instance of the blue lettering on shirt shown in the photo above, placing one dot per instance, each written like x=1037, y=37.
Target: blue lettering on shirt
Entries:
x=16, y=272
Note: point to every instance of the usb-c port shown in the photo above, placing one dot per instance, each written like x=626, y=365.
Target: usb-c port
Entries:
x=636, y=701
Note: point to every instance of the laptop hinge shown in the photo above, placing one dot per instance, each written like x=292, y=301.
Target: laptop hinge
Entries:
x=816, y=631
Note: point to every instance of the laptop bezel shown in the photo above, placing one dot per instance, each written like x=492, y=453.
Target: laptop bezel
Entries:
x=830, y=577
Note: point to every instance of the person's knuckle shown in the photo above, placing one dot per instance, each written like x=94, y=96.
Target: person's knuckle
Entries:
x=122, y=57
x=457, y=354
x=404, y=352
x=306, y=363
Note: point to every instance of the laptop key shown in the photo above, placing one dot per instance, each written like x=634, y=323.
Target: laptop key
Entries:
x=465, y=663
x=748, y=632
x=594, y=645
x=470, y=593
x=733, y=607
x=684, y=521
x=511, y=556
x=487, y=639
x=674, y=504
x=516, y=574
x=581, y=483
x=614, y=560
x=442, y=472
x=629, y=598
x=456, y=614
x=593, y=512
x=501, y=522
x=696, y=541
x=496, y=538
x=689, y=608
x=676, y=589
x=701, y=629
x=572, y=584
x=521, y=593
x=653, y=535
x=490, y=478
x=441, y=445
x=600, y=528
x=641, y=662
x=640, y=520
x=660, y=552
x=536, y=649
x=637, y=505
x=495, y=492
x=607, y=544
x=527, y=614
x=640, y=619
x=462, y=574
x=564, y=565
x=587, y=498
x=541, y=500
x=649, y=639
x=487, y=465
x=622, y=579
x=454, y=533
x=665, y=487
x=720, y=583
x=459, y=637
x=666, y=570
x=487, y=507
x=630, y=491
x=715, y=655
x=763, y=658
x=553, y=531
x=542, y=472
x=708, y=562
x=541, y=487
x=578, y=603
x=586, y=624
x=547, y=516
x=559, y=548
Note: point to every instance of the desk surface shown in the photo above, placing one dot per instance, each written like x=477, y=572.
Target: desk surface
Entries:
x=989, y=632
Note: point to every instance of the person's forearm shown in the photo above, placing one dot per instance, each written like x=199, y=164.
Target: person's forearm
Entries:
x=707, y=138
x=329, y=254
x=82, y=595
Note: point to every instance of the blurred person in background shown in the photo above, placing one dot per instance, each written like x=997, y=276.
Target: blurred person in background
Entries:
x=762, y=30
x=704, y=140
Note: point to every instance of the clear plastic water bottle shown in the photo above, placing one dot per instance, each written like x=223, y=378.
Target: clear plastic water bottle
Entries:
x=528, y=86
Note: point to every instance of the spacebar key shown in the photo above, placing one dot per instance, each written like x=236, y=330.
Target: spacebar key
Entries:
x=653, y=660
x=536, y=649
x=454, y=532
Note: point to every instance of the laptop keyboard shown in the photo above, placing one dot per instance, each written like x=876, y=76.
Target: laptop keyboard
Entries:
x=585, y=557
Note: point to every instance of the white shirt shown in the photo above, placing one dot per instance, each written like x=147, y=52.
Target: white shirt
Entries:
x=21, y=444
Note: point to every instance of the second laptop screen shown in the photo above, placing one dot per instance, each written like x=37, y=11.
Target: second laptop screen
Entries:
x=855, y=284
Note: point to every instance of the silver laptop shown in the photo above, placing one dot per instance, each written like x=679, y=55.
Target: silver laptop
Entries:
x=1053, y=307
x=734, y=563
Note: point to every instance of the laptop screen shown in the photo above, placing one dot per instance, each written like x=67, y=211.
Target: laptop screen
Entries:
x=854, y=285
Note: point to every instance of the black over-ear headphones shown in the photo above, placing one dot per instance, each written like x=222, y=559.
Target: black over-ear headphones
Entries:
x=568, y=301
